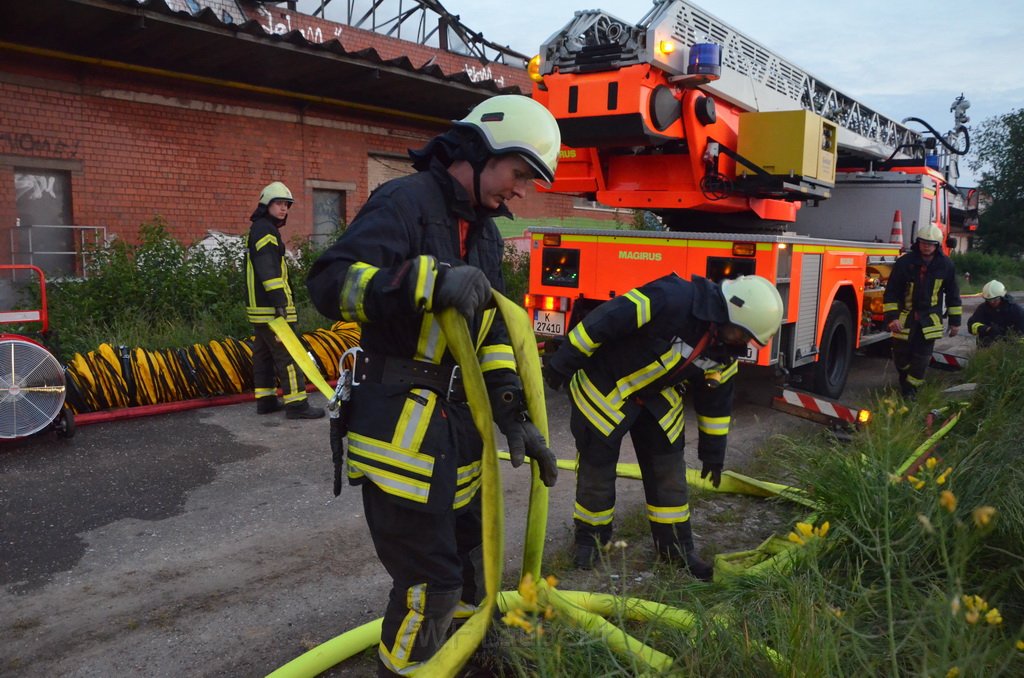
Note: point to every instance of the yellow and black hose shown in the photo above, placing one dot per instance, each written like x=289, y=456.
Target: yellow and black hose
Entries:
x=118, y=376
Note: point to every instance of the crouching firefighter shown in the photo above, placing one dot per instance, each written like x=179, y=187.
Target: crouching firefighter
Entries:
x=422, y=243
x=625, y=364
x=998, y=316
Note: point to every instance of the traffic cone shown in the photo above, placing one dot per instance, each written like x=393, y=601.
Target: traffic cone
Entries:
x=896, y=234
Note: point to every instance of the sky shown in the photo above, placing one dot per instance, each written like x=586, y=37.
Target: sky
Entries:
x=897, y=57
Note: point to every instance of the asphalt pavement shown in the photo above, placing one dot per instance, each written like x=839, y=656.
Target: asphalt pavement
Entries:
x=208, y=542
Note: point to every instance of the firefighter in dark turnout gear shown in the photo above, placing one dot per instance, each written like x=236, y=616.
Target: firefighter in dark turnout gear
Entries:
x=998, y=317
x=920, y=281
x=422, y=243
x=625, y=364
x=270, y=296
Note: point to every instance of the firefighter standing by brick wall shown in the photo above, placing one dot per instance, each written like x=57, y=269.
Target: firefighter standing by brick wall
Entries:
x=422, y=243
x=920, y=281
x=624, y=363
x=270, y=296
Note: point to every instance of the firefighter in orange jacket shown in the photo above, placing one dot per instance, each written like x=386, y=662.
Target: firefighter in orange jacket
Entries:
x=270, y=296
x=920, y=281
x=625, y=362
x=422, y=243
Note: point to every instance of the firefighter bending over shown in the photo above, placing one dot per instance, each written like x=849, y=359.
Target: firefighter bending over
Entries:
x=998, y=317
x=270, y=296
x=625, y=364
x=423, y=243
x=920, y=281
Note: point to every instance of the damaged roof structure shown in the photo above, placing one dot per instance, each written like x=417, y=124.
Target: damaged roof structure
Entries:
x=120, y=112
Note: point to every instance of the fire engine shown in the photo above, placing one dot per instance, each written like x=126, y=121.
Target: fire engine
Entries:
x=750, y=164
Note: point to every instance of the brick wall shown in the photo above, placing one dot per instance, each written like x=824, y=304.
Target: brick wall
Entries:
x=136, y=146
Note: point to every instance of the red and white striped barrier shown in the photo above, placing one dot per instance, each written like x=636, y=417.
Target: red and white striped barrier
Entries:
x=948, y=361
x=817, y=408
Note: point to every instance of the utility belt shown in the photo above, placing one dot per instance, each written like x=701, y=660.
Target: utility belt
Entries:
x=377, y=368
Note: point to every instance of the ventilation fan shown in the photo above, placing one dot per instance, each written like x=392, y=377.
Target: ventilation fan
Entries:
x=31, y=387
x=31, y=380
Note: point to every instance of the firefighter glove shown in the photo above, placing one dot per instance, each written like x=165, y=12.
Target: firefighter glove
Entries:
x=464, y=288
x=524, y=440
x=279, y=312
x=713, y=470
x=554, y=378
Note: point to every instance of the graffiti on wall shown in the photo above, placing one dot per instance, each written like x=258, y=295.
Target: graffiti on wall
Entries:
x=477, y=74
x=284, y=25
x=34, y=186
x=24, y=142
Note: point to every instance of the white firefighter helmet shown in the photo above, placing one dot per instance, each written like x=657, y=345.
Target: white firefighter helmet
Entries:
x=755, y=305
x=512, y=123
x=275, y=191
x=993, y=289
x=930, y=233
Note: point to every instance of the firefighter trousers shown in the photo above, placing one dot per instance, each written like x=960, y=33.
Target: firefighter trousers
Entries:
x=662, y=468
x=911, y=357
x=271, y=359
x=436, y=566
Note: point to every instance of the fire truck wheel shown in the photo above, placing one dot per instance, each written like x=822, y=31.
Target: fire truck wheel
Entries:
x=828, y=375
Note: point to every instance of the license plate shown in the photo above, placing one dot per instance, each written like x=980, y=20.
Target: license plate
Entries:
x=549, y=322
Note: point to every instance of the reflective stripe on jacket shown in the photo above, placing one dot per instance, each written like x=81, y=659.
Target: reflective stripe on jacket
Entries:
x=266, y=273
x=916, y=291
x=382, y=272
x=1007, y=316
x=626, y=354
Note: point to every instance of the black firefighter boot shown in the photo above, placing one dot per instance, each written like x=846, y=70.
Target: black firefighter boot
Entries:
x=268, y=404
x=675, y=544
x=436, y=610
x=588, y=547
x=303, y=410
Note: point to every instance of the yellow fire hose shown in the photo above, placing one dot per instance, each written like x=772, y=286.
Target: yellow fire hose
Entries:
x=457, y=650
x=585, y=603
x=585, y=610
x=927, y=445
x=121, y=377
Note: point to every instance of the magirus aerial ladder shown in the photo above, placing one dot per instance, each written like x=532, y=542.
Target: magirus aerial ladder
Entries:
x=751, y=164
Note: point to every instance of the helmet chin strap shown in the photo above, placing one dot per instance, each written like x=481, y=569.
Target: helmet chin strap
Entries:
x=478, y=170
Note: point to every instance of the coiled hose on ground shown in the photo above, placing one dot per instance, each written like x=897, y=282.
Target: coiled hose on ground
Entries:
x=118, y=376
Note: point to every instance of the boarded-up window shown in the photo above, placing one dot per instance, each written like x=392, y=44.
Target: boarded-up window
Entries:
x=381, y=168
x=328, y=214
x=41, y=236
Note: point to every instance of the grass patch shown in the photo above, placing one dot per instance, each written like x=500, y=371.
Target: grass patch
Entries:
x=918, y=576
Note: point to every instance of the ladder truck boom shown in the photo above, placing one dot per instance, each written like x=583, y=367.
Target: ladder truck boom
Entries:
x=750, y=165
x=752, y=77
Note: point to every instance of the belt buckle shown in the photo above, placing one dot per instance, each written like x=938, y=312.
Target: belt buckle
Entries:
x=451, y=382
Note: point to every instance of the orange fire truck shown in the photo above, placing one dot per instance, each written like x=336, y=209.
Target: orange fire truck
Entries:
x=749, y=164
